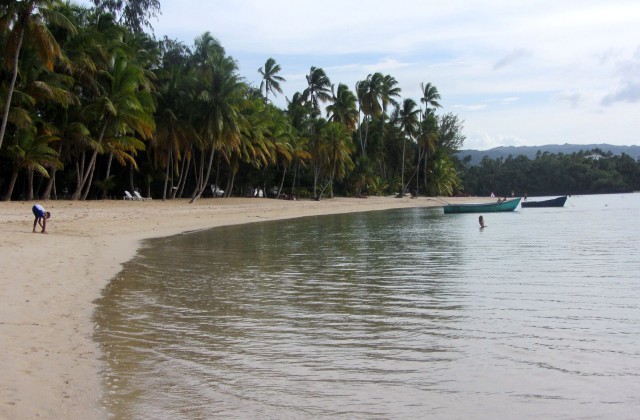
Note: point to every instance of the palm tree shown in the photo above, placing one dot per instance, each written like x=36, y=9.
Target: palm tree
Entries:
x=207, y=50
x=336, y=149
x=170, y=140
x=124, y=106
x=134, y=14
x=297, y=112
x=300, y=138
x=270, y=79
x=406, y=118
x=445, y=179
x=343, y=108
x=389, y=90
x=369, y=92
x=26, y=21
x=257, y=146
x=430, y=96
x=427, y=141
x=32, y=152
x=280, y=133
x=301, y=157
x=219, y=118
x=318, y=89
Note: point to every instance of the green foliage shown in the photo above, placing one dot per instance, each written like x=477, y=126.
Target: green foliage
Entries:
x=134, y=14
x=551, y=174
x=98, y=106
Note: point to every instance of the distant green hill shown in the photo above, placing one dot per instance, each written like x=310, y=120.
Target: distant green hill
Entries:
x=531, y=151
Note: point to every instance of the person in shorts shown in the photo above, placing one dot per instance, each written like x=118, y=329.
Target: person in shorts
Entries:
x=41, y=217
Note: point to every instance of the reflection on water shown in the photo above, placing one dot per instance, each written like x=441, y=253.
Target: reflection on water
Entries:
x=396, y=314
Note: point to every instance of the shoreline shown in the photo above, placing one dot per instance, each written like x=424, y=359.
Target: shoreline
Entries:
x=50, y=364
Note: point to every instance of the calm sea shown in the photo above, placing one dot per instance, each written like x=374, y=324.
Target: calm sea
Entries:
x=383, y=315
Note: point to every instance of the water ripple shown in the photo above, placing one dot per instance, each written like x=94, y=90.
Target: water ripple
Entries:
x=398, y=314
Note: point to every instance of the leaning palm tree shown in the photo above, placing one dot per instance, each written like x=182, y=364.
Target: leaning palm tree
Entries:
x=26, y=21
x=123, y=106
x=270, y=78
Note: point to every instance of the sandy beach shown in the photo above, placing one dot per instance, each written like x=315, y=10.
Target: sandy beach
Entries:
x=50, y=364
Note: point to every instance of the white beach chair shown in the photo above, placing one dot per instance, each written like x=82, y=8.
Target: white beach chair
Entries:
x=139, y=197
x=128, y=196
x=216, y=191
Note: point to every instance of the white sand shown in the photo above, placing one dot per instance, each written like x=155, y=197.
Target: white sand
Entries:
x=49, y=366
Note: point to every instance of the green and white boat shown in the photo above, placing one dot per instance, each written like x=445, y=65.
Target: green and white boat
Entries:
x=495, y=206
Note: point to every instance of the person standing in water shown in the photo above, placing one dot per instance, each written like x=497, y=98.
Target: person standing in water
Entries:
x=481, y=221
x=41, y=217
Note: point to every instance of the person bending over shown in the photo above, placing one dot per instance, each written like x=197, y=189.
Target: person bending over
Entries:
x=41, y=217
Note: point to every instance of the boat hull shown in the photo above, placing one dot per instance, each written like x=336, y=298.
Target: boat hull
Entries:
x=509, y=205
x=555, y=202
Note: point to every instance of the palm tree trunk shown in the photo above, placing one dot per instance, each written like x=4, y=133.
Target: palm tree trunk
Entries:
x=80, y=168
x=12, y=84
x=218, y=176
x=205, y=179
x=87, y=186
x=401, y=193
x=133, y=187
x=89, y=170
x=293, y=183
x=366, y=136
x=50, y=185
x=360, y=129
x=284, y=173
x=166, y=176
x=426, y=188
x=198, y=172
x=84, y=176
x=52, y=178
x=106, y=176
x=231, y=182
x=30, y=185
x=184, y=174
x=12, y=184
x=415, y=173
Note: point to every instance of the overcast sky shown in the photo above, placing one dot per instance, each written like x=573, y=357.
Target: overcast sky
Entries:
x=516, y=72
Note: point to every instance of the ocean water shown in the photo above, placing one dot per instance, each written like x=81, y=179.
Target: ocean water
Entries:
x=383, y=315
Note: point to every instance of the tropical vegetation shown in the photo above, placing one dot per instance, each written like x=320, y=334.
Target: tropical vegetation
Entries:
x=91, y=106
x=585, y=172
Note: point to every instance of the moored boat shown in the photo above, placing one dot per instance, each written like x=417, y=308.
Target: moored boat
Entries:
x=509, y=205
x=554, y=202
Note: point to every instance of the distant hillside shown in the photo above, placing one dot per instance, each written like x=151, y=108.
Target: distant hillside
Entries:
x=531, y=151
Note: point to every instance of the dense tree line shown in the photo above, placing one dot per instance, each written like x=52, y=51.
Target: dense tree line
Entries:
x=93, y=106
x=587, y=172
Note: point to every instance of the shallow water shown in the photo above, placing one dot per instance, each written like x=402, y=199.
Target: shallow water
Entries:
x=393, y=314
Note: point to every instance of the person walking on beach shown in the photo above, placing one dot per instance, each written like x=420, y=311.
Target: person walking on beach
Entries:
x=41, y=217
x=481, y=221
